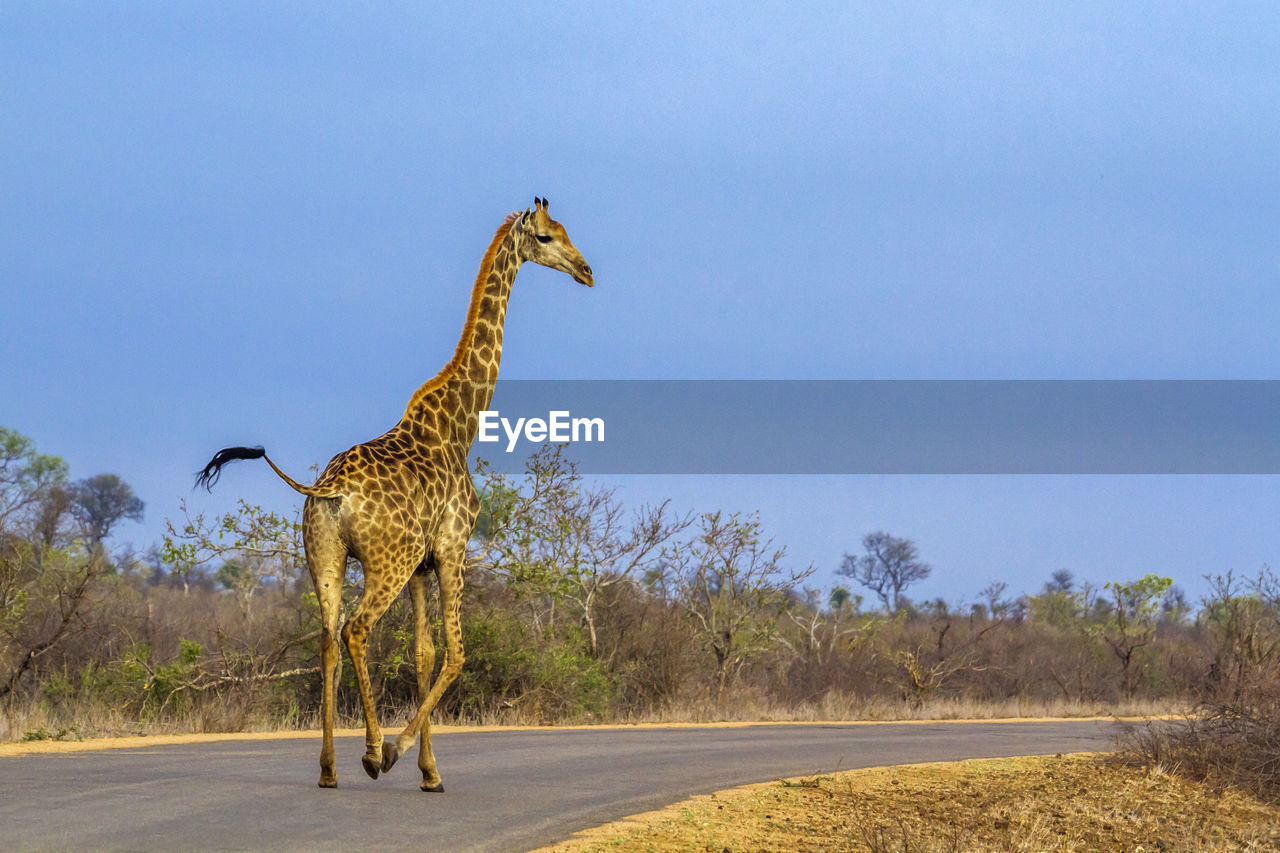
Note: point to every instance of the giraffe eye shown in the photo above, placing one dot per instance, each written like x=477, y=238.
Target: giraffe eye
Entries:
x=544, y=238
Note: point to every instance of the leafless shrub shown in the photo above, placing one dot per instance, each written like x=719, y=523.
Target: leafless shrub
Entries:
x=1234, y=739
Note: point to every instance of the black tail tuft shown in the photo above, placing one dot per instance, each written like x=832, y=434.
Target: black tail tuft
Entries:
x=213, y=470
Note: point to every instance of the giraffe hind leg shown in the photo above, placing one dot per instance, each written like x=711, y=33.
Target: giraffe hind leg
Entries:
x=326, y=561
x=383, y=581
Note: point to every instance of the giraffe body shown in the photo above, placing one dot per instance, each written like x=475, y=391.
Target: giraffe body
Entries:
x=404, y=505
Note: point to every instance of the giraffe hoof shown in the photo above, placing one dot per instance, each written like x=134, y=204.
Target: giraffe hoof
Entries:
x=328, y=783
x=437, y=788
x=372, y=765
x=390, y=754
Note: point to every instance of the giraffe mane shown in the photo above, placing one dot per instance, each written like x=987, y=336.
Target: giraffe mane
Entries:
x=469, y=328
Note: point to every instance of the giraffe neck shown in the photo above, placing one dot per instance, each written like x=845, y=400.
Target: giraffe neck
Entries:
x=448, y=405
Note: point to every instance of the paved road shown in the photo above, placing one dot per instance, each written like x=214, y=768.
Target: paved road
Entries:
x=505, y=790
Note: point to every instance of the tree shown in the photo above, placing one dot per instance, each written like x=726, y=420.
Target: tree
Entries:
x=888, y=567
x=840, y=597
x=1059, y=604
x=564, y=541
x=259, y=558
x=25, y=477
x=1060, y=581
x=994, y=601
x=822, y=632
x=253, y=547
x=101, y=502
x=1243, y=620
x=734, y=588
x=50, y=516
x=1131, y=623
x=45, y=577
x=1174, y=607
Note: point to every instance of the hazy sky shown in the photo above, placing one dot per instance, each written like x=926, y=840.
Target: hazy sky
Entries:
x=247, y=223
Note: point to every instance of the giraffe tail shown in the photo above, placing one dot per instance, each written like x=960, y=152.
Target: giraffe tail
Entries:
x=213, y=471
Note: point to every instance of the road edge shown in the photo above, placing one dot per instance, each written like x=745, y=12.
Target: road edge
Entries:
x=17, y=748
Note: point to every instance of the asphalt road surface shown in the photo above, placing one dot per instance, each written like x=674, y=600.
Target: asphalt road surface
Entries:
x=504, y=790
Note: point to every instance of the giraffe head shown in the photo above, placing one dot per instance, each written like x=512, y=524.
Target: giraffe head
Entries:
x=544, y=241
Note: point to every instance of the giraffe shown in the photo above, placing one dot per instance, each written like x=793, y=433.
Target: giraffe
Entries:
x=403, y=505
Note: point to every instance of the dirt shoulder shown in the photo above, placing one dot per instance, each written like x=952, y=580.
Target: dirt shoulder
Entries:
x=142, y=741
x=1075, y=802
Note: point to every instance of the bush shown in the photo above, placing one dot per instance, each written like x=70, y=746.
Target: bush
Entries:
x=1235, y=738
x=513, y=674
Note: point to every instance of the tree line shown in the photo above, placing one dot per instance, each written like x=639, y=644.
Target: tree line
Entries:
x=577, y=608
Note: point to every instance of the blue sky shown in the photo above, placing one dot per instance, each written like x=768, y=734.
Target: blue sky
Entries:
x=246, y=224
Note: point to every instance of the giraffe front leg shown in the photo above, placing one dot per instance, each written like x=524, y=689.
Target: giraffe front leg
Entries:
x=450, y=575
x=425, y=662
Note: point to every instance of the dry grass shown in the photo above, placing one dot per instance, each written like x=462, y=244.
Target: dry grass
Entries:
x=1233, y=740
x=1073, y=803
x=1218, y=749
x=34, y=719
x=63, y=742
x=842, y=706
